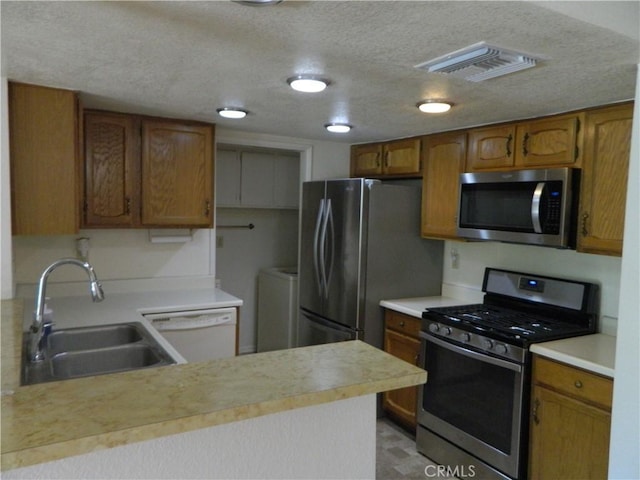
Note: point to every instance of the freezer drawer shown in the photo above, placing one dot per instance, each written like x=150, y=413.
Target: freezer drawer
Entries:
x=314, y=330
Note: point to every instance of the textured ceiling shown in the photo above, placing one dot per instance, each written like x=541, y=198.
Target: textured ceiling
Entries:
x=185, y=59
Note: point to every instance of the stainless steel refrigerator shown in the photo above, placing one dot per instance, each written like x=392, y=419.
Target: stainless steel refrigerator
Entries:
x=360, y=243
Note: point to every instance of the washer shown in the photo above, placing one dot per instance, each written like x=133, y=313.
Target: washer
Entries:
x=277, y=308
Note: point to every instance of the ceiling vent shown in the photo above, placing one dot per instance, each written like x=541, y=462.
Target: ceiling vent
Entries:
x=479, y=62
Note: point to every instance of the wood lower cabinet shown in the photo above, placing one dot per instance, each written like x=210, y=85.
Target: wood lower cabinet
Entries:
x=443, y=162
x=401, y=340
x=570, y=422
x=143, y=172
x=45, y=173
x=399, y=158
x=604, y=180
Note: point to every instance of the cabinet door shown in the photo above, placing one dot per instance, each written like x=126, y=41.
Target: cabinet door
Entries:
x=490, y=148
x=604, y=180
x=402, y=157
x=111, y=180
x=366, y=160
x=177, y=165
x=45, y=173
x=256, y=189
x=402, y=403
x=228, y=173
x=569, y=439
x=444, y=157
x=550, y=142
x=286, y=181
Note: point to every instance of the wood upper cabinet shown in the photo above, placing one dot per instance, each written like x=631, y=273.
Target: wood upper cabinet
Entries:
x=143, y=172
x=491, y=148
x=548, y=142
x=401, y=340
x=570, y=422
x=443, y=162
x=176, y=172
x=111, y=156
x=399, y=158
x=604, y=180
x=44, y=160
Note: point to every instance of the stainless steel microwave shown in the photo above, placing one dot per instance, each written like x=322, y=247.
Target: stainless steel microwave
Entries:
x=535, y=207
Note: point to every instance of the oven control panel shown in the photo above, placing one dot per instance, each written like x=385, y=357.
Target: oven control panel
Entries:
x=475, y=341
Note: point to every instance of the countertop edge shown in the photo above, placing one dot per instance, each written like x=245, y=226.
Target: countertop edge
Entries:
x=79, y=446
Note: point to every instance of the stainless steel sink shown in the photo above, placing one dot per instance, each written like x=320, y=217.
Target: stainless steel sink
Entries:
x=73, y=339
x=87, y=351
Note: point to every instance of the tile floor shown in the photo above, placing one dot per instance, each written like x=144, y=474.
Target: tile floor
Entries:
x=396, y=455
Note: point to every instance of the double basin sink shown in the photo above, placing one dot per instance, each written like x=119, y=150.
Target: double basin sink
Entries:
x=87, y=351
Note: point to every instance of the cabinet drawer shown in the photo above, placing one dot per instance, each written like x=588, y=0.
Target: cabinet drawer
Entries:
x=405, y=324
x=572, y=381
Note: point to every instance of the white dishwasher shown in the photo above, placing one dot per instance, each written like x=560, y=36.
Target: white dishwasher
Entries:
x=199, y=335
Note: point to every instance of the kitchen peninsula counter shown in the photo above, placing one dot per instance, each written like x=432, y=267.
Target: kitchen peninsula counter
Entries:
x=46, y=422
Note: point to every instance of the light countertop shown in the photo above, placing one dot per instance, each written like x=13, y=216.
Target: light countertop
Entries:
x=595, y=353
x=415, y=306
x=55, y=420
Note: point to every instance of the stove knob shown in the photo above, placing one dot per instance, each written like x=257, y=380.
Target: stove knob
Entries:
x=446, y=331
x=465, y=337
x=434, y=327
x=488, y=344
x=502, y=348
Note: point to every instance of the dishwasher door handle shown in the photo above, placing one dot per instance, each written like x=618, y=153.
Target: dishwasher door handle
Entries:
x=191, y=320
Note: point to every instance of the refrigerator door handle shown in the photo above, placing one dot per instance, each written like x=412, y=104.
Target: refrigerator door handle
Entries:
x=316, y=247
x=330, y=246
x=323, y=248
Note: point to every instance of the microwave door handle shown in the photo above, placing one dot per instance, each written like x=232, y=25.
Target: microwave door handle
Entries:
x=535, y=207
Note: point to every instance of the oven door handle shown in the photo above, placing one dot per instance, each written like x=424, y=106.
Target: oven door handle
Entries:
x=471, y=353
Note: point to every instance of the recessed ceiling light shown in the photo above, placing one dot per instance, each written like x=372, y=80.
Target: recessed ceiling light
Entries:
x=232, y=112
x=338, y=127
x=433, y=106
x=307, y=83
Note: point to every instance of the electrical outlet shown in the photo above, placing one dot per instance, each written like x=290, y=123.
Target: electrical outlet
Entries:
x=219, y=241
x=455, y=258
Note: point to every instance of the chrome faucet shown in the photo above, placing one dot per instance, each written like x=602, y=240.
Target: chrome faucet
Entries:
x=36, y=333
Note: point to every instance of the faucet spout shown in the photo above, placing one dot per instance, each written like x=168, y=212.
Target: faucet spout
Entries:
x=36, y=353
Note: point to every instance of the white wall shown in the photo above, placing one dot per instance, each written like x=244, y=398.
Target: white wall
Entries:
x=473, y=257
x=624, y=462
x=6, y=268
x=334, y=440
x=272, y=243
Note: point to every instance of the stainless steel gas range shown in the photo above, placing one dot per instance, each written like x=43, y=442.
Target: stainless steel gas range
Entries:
x=473, y=412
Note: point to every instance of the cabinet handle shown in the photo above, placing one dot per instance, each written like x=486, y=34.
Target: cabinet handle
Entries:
x=378, y=160
x=578, y=384
x=509, y=139
x=534, y=413
x=207, y=207
x=127, y=206
x=585, y=217
x=386, y=159
x=417, y=359
x=525, y=151
x=402, y=323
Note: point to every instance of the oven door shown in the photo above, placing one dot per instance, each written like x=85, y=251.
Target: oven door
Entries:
x=475, y=402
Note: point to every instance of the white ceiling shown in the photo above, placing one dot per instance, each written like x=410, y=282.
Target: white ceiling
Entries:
x=185, y=59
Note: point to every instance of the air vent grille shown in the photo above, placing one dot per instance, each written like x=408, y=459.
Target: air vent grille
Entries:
x=479, y=62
